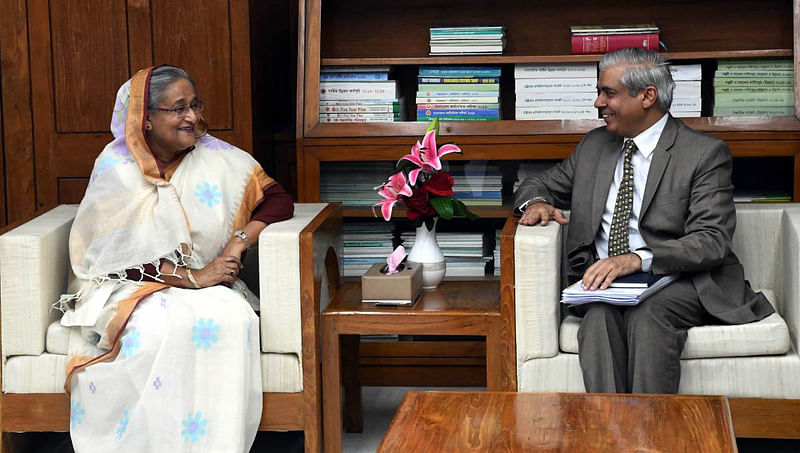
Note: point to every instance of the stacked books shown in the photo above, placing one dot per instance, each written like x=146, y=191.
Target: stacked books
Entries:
x=752, y=87
x=467, y=40
x=591, y=39
x=686, y=99
x=365, y=244
x=496, y=253
x=349, y=94
x=476, y=183
x=463, y=252
x=353, y=183
x=555, y=91
x=458, y=93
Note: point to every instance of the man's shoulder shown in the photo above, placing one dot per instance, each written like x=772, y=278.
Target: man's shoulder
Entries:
x=686, y=135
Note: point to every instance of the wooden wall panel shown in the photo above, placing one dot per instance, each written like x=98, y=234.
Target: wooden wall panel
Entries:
x=2, y=169
x=15, y=78
x=90, y=61
x=197, y=37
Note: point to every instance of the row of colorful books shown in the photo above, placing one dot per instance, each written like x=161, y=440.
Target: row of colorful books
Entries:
x=463, y=252
x=763, y=87
x=458, y=93
x=467, y=40
x=599, y=39
x=358, y=94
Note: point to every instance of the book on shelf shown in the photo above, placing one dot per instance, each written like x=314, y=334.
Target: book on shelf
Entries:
x=496, y=50
x=555, y=70
x=443, y=93
x=685, y=113
x=752, y=74
x=753, y=82
x=459, y=87
x=384, y=115
x=757, y=65
x=785, y=99
x=556, y=113
x=686, y=72
x=613, y=29
x=490, y=29
x=580, y=84
x=458, y=99
x=352, y=76
x=753, y=111
x=686, y=104
x=458, y=112
x=687, y=89
x=459, y=118
x=373, y=68
x=748, y=90
x=458, y=71
x=486, y=106
x=357, y=120
x=362, y=108
x=575, y=294
x=599, y=44
x=458, y=80
x=357, y=90
x=555, y=99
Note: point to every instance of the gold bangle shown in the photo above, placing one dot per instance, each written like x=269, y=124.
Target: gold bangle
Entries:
x=191, y=278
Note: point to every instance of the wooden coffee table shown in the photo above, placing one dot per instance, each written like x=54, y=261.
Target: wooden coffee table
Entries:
x=455, y=308
x=570, y=422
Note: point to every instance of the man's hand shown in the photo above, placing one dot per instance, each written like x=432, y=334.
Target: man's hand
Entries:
x=603, y=272
x=541, y=212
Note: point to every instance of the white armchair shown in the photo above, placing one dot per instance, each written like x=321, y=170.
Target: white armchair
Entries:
x=297, y=275
x=756, y=365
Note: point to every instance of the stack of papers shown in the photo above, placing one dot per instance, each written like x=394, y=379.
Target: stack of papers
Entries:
x=630, y=291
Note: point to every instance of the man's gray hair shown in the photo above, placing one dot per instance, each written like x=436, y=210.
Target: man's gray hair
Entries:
x=644, y=68
x=160, y=79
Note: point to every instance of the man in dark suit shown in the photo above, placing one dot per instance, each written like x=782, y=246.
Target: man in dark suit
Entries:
x=646, y=193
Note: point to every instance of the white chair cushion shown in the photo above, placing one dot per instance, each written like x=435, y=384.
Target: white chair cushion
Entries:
x=770, y=336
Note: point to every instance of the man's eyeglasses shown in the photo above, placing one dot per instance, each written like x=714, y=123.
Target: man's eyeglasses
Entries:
x=181, y=110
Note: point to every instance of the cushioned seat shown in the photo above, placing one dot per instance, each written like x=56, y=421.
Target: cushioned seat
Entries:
x=294, y=270
x=756, y=364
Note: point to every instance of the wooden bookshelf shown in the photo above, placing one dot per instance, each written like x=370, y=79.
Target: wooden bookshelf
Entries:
x=361, y=32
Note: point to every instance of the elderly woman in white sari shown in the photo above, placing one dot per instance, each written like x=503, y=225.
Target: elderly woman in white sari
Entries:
x=171, y=362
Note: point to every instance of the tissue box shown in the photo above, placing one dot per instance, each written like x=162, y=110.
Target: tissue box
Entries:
x=401, y=288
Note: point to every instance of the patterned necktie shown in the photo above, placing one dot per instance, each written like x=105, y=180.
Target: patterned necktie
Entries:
x=618, y=237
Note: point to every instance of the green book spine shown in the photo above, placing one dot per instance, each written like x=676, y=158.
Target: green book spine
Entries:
x=736, y=73
x=753, y=82
x=442, y=87
x=756, y=65
x=459, y=118
x=754, y=99
x=733, y=89
x=753, y=111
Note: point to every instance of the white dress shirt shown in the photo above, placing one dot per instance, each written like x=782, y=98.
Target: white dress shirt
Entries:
x=645, y=142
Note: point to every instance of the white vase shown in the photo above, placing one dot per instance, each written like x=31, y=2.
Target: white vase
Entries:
x=426, y=252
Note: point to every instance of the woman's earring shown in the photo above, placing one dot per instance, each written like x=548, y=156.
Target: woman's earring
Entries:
x=148, y=126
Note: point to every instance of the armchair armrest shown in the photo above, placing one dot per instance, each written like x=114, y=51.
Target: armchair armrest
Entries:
x=293, y=270
x=537, y=269
x=790, y=270
x=34, y=272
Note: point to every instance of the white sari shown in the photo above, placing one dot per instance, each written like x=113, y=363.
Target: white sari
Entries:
x=165, y=369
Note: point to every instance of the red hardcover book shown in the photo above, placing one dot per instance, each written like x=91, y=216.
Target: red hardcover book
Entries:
x=588, y=44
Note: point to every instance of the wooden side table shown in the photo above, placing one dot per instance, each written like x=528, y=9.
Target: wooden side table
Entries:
x=455, y=308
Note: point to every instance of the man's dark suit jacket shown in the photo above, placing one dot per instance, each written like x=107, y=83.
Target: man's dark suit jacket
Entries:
x=687, y=216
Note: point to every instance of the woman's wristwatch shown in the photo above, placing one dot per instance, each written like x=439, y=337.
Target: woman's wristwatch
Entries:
x=241, y=235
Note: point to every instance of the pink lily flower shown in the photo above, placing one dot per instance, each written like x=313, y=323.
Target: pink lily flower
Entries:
x=391, y=191
x=427, y=156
